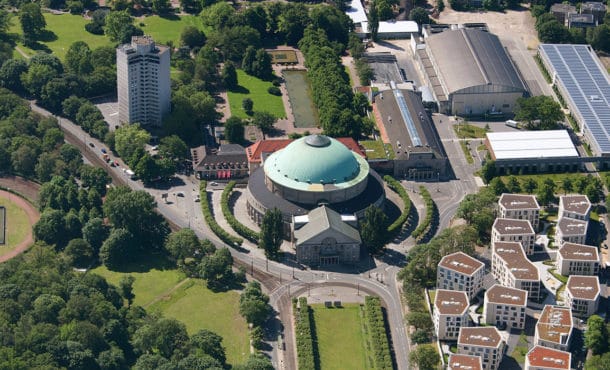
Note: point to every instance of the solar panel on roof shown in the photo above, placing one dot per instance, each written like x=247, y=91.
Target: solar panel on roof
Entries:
x=587, y=85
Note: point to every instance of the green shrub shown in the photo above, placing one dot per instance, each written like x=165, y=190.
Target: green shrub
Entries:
x=425, y=227
x=274, y=90
x=209, y=219
x=404, y=216
x=377, y=332
x=239, y=228
x=305, y=345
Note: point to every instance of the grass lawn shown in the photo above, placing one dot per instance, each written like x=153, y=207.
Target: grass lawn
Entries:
x=17, y=225
x=520, y=350
x=432, y=295
x=340, y=337
x=166, y=29
x=166, y=291
x=65, y=30
x=200, y=308
x=466, y=151
x=376, y=149
x=255, y=89
x=469, y=131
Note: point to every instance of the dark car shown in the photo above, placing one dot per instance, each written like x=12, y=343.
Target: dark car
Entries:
x=104, y=150
x=92, y=145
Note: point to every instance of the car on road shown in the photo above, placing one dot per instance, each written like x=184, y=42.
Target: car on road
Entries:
x=180, y=194
x=214, y=183
x=92, y=145
x=104, y=150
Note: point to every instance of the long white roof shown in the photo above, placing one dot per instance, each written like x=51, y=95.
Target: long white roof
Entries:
x=531, y=144
x=355, y=10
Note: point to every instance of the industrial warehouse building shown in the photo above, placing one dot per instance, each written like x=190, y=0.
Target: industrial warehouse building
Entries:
x=583, y=82
x=470, y=73
x=418, y=151
x=533, y=151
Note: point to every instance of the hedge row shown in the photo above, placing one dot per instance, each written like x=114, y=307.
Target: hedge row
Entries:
x=209, y=219
x=305, y=344
x=377, y=331
x=239, y=228
x=424, y=226
x=404, y=216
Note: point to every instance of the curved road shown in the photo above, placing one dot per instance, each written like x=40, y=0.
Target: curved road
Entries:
x=185, y=212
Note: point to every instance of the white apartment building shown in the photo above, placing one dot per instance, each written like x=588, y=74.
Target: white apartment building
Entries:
x=519, y=207
x=570, y=230
x=554, y=328
x=459, y=271
x=450, y=313
x=143, y=83
x=582, y=295
x=542, y=358
x=484, y=342
x=464, y=362
x=505, y=307
x=511, y=268
x=574, y=206
x=509, y=230
x=578, y=259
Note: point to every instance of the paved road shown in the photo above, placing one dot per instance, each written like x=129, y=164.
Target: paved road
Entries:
x=184, y=211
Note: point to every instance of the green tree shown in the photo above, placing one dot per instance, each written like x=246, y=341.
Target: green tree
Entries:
x=248, y=60
x=173, y=147
x=264, y=121
x=161, y=6
x=372, y=229
x=257, y=361
x=513, y=185
x=218, y=15
x=78, y=58
x=234, y=130
x=567, y=185
x=488, y=171
x=50, y=228
x=192, y=37
x=529, y=185
x=261, y=67
x=596, y=335
x=165, y=336
x=94, y=178
x=373, y=22
x=182, y=244
x=217, y=270
x=497, y=186
x=126, y=288
x=229, y=75
x=272, y=231
x=119, y=27
x=32, y=22
x=253, y=304
x=95, y=232
x=247, y=104
x=419, y=15
x=117, y=249
x=425, y=356
x=539, y=112
x=10, y=74
x=553, y=32
x=206, y=342
x=546, y=194
x=421, y=320
x=79, y=252
x=599, y=362
x=600, y=39
x=35, y=79
x=129, y=140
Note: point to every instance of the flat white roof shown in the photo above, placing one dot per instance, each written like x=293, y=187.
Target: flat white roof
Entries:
x=531, y=144
x=398, y=27
x=355, y=10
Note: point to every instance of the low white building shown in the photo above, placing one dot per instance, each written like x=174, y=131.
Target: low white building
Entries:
x=574, y=206
x=519, y=207
x=511, y=268
x=459, y=271
x=578, y=259
x=542, y=358
x=509, y=230
x=570, y=230
x=505, y=307
x=554, y=328
x=450, y=313
x=484, y=342
x=582, y=295
x=464, y=362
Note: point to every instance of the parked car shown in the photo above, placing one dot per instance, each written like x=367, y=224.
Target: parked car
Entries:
x=92, y=145
x=180, y=194
x=104, y=150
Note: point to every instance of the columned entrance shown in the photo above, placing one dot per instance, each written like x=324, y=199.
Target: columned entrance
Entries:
x=329, y=260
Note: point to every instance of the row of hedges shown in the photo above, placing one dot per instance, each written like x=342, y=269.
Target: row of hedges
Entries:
x=404, y=216
x=239, y=228
x=209, y=219
x=425, y=226
x=305, y=343
x=377, y=331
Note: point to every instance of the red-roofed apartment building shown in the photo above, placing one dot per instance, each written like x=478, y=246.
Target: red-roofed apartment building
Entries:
x=542, y=358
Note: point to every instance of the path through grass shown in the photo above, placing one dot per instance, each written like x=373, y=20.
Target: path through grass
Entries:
x=17, y=225
x=340, y=337
x=255, y=89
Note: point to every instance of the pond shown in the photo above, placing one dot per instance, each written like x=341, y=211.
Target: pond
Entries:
x=301, y=102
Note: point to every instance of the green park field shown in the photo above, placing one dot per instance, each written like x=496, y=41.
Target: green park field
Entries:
x=65, y=29
x=255, y=89
x=340, y=337
x=188, y=300
x=17, y=225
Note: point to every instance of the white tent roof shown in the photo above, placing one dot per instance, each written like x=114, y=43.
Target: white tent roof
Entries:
x=531, y=144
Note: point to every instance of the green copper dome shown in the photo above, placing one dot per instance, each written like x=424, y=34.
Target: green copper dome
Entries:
x=315, y=159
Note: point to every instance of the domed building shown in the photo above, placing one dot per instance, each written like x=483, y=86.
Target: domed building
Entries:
x=311, y=172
